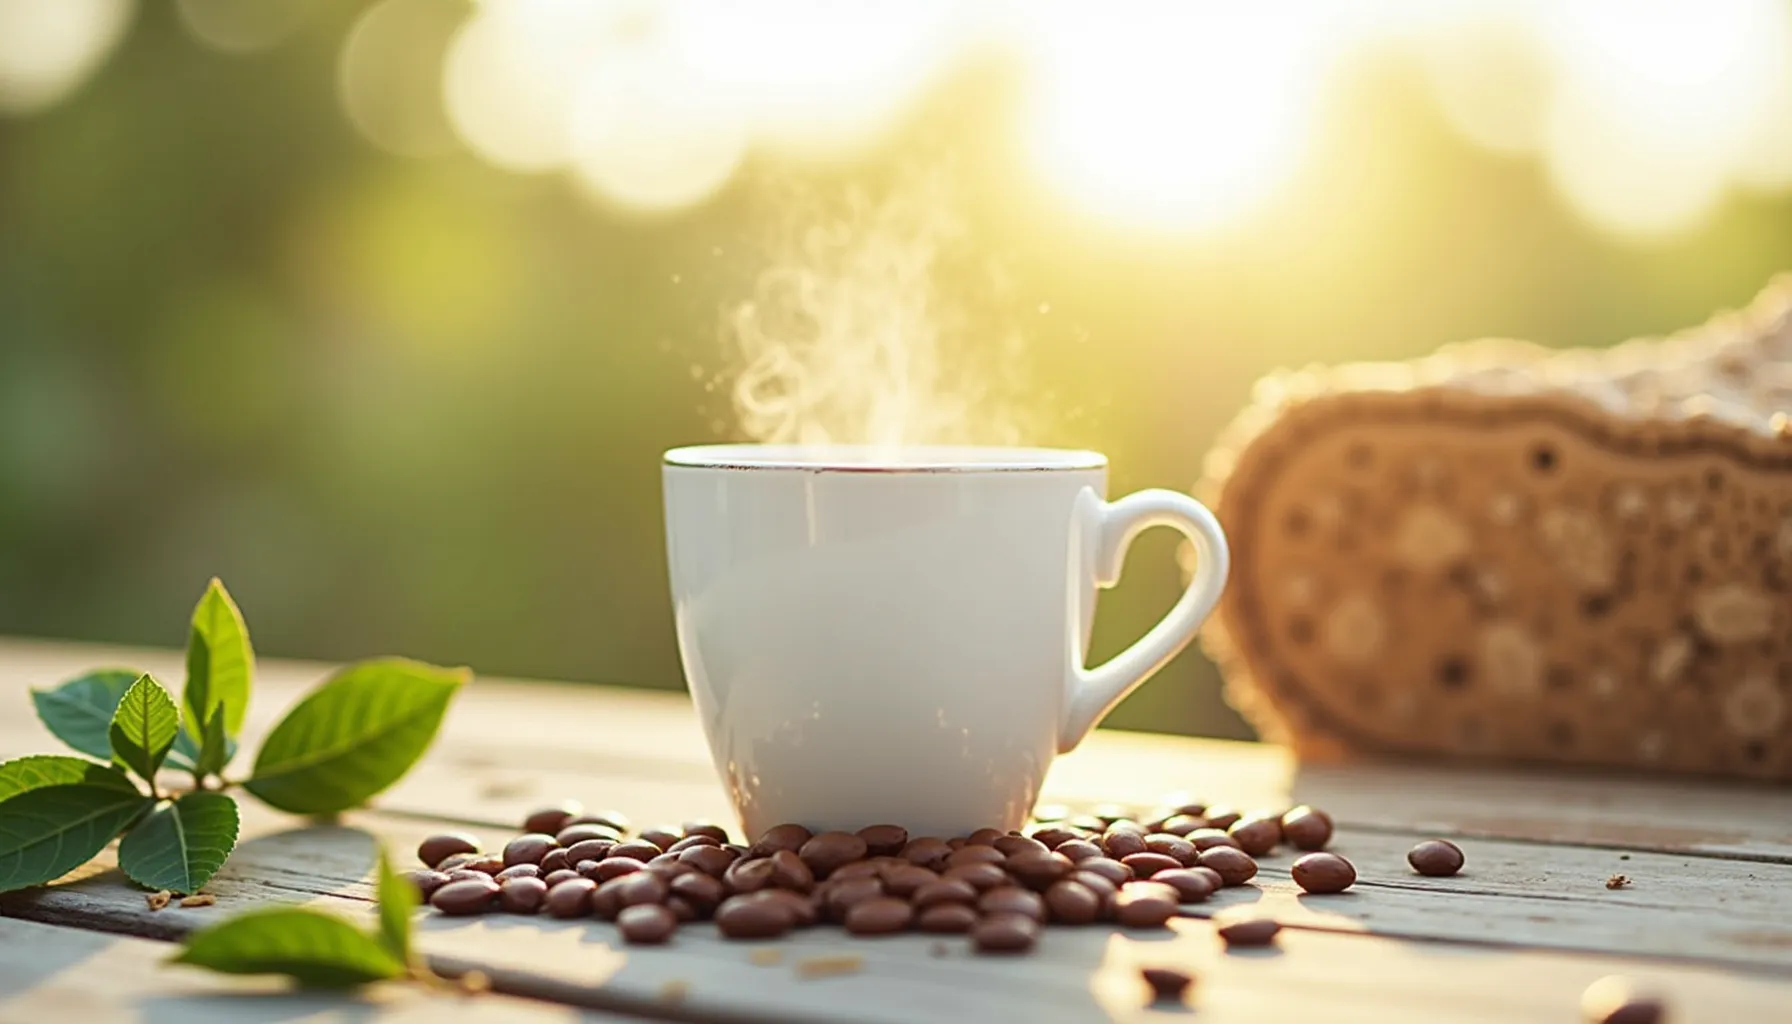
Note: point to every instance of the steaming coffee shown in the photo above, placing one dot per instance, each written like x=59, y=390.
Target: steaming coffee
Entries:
x=873, y=637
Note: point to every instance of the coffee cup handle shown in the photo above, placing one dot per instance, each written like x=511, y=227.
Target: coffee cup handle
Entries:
x=1108, y=529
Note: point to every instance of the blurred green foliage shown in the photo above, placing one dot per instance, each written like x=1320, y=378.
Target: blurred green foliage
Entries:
x=417, y=405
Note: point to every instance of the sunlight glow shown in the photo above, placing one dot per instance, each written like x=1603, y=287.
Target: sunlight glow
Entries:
x=390, y=75
x=236, y=27
x=49, y=47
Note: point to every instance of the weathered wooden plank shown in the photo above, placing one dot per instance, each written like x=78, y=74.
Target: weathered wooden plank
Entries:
x=510, y=742
x=62, y=974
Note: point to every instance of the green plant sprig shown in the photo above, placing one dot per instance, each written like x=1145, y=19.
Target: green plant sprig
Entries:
x=349, y=739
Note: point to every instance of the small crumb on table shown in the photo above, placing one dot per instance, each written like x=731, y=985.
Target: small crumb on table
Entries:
x=828, y=966
x=674, y=991
x=199, y=899
x=158, y=900
x=766, y=957
x=1617, y=881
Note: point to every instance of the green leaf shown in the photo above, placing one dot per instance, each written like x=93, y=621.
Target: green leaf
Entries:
x=23, y=774
x=219, y=661
x=314, y=949
x=79, y=712
x=398, y=898
x=181, y=845
x=353, y=736
x=47, y=832
x=186, y=752
x=216, y=749
x=143, y=727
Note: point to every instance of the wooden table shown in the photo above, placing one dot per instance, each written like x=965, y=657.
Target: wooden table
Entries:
x=1706, y=918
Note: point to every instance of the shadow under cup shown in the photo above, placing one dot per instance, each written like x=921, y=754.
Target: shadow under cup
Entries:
x=873, y=638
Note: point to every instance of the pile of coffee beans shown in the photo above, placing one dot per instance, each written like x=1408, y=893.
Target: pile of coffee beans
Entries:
x=999, y=888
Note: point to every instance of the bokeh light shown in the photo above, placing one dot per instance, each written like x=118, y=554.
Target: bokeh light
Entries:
x=390, y=75
x=49, y=47
x=233, y=26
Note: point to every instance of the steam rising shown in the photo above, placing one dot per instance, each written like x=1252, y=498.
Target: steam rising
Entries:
x=871, y=325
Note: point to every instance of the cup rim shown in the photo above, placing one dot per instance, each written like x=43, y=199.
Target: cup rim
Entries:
x=864, y=458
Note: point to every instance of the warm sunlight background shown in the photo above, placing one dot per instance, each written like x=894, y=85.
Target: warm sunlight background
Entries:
x=392, y=303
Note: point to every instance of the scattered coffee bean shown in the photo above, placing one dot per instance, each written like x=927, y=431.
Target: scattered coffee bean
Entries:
x=884, y=840
x=574, y=834
x=1221, y=818
x=1010, y=845
x=557, y=859
x=1144, y=865
x=522, y=895
x=1192, y=885
x=1211, y=875
x=1077, y=849
x=613, y=820
x=1323, y=873
x=1110, y=813
x=699, y=890
x=981, y=876
x=571, y=898
x=1011, y=899
x=1088, y=824
x=468, y=896
x=1254, y=931
x=1176, y=847
x=640, y=887
x=711, y=860
x=743, y=917
x=1071, y=902
x=1616, y=1000
x=802, y=909
x=842, y=894
x=528, y=849
x=905, y=880
x=831, y=850
x=1145, y=904
x=1100, y=885
x=635, y=849
x=683, y=911
x=706, y=828
x=554, y=878
x=1204, y=839
x=857, y=869
x=927, y=852
x=605, y=903
x=612, y=867
x=946, y=890
x=457, y=861
x=1306, y=828
x=984, y=837
x=1112, y=870
x=881, y=916
x=688, y=842
x=552, y=819
x=661, y=836
x=646, y=924
x=1256, y=835
x=489, y=863
x=748, y=875
x=1182, y=824
x=1122, y=844
x=1166, y=983
x=1053, y=836
x=1005, y=933
x=1438, y=858
x=976, y=855
x=1234, y=866
x=427, y=882
x=780, y=837
x=518, y=871
x=668, y=866
x=469, y=875
x=946, y=919
x=1038, y=870
x=590, y=849
x=438, y=848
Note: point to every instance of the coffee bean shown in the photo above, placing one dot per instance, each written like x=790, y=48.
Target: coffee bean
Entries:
x=946, y=919
x=1072, y=902
x=427, y=882
x=1077, y=849
x=789, y=872
x=689, y=842
x=1438, y=858
x=857, y=869
x=1005, y=933
x=518, y=871
x=1011, y=899
x=640, y=887
x=1111, y=813
x=612, y=867
x=1009, y=845
x=743, y=917
x=528, y=849
x=1256, y=836
x=646, y=924
x=576, y=833
x=907, y=879
x=1144, y=904
x=945, y=890
x=748, y=875
x=522, y=895
x=1176, y=847
x=636, y=850
x=984, y=837
x=605, y=902
x=1204, y=839
x=706, y=828
x=1122, y=844
x=841, y=895
x=1255, y=931
x=1616, y=1000
x=884, y=840
x=1167, y=983
x=552, y=819
x=1100, y=885
x=557, y=859
x=1054, y=836
x=616, y=821
x=780, y=837
x=1221, y=818
x=1182, y=824
x=1088, y=824
x=927, y=852
x=590, y=849
x=489, y=863
x=711, y=860
x=802, y=909
x=1306, y=828
x=1108, y=868
x=1234, y=866
x=467, y=896
x=830, y=850
x=1038, y=870
x=571, y=898
x=554, y=878
x=881, y=916
x=438, y=848
x=668, y=866
x=661, y=836
x=1192, y=885
x=701, y=891
x=1144, y=865
x=683, y=911
x=976, y=855
x=1323, y=873
x=457, y=861
x=469, y=875
x=981, y=876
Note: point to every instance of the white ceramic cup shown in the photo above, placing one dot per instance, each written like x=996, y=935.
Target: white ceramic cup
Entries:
x=900, y=639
